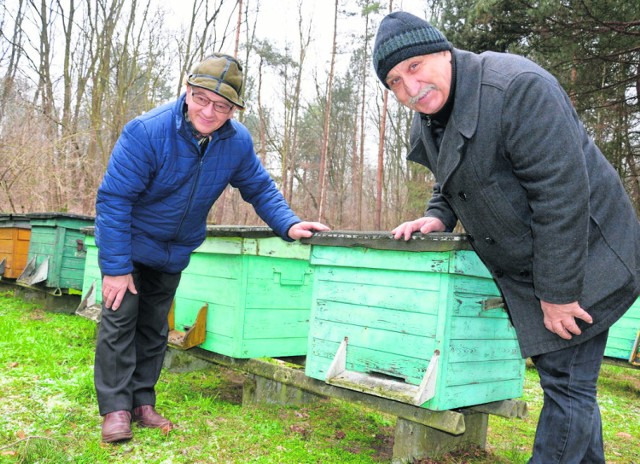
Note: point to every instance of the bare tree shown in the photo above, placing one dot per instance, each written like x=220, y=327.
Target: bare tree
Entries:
x=327, y=119
x=14, y=51
x=292, y=123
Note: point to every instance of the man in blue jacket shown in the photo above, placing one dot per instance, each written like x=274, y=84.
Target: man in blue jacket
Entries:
x=543, y=208
x=166, y=170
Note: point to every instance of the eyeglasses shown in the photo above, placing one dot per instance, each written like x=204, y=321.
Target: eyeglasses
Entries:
x=201, y=100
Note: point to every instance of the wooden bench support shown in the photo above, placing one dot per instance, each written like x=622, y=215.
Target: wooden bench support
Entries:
x=416, y=441
x=258, y=389
x=293, y=375
x=420, y=432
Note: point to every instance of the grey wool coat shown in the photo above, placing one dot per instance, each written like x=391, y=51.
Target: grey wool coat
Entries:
x=544, y=209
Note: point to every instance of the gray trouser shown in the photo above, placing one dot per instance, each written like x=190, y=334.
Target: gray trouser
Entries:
x=132, y=342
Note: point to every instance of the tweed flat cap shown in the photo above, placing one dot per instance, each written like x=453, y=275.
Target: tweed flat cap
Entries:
x=222, y=74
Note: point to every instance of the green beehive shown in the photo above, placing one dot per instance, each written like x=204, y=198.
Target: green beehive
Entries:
x=92, y=278
x=258, y=291
x=56, y=252
x=624, y=336
x=420, y=322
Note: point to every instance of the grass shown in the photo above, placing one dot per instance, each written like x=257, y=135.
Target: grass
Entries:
x=48, y=411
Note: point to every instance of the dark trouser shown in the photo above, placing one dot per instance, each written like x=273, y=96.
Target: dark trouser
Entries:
x=132, y=342
x=570, y=430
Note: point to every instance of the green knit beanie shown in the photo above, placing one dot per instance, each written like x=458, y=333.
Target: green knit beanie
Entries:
x=402, y=35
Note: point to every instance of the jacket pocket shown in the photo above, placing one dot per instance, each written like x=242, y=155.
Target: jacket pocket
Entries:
x=501, y=212
x=605, y=272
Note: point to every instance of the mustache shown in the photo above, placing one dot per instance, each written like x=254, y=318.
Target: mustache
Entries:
x=425, y=90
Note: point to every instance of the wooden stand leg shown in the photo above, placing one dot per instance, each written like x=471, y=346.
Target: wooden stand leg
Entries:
x=259, y=389
x=416, y=441
x=179, y=361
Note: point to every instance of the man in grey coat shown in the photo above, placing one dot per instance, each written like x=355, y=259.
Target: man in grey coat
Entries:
x=543, y=208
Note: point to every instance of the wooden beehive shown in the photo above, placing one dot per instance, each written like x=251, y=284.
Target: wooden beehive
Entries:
x=623, y=341
x=258, y=291
x=56, y=252
x=421, y=322
x=92, y=277
x=15, y=234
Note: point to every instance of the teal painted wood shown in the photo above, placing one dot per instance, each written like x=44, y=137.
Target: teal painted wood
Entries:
x=258, y=288
x=397, y=308
x=623, y=333
x=92, y=274
x=55, y=236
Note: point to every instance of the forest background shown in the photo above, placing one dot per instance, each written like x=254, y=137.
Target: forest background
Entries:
x=73, y=72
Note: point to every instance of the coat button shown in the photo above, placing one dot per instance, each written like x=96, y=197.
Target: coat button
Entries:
x=463, y=196
x=489, y=241
x=498, y=273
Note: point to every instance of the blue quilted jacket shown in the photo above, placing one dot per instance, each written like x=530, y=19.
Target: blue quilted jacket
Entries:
x=154, y=199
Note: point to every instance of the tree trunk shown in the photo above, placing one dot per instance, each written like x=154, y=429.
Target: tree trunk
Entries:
x=324, y=154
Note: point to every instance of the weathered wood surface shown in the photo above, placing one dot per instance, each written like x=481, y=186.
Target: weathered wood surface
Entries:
x=437, y=241
x=623, y=335
x=287, y=373
x=397, y=308
x=240, y=231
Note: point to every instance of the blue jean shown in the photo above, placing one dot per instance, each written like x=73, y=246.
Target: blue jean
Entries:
x=570, y=429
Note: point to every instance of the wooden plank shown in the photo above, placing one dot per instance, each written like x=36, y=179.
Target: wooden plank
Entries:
x=472, y=351
x=468, y=263
x=211, y=289
x=214, y=265
x=374, y=385
x=484, y=372
x=218, y=245
x=475, y=394
x=469, y=305
x=381, y=259
x=266, y=347
x=380, y=240
x=378, y=277
x=448, y=421
x=275, y=324
x=506, y=408
x=482, y=328
x=400, y=299
x=221, y=319
x=384, y=341
x=275, y=247
x=390, y=319
x=408, y=367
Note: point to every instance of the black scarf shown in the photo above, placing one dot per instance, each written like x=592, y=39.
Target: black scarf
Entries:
x=438, y=122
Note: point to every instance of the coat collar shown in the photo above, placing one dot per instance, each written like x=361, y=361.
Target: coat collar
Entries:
x=466, y=107
x=462, y=124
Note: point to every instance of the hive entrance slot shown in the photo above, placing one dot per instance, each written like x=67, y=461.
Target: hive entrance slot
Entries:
x=386, y=376
x=382, y=384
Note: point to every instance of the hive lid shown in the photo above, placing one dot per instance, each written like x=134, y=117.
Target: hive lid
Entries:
x=240, y=231
x=435, y=241
x=59, y=215
x=14, y=220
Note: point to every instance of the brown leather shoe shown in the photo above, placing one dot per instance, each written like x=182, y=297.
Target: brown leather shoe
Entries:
x=146, y=416
x=117, y=427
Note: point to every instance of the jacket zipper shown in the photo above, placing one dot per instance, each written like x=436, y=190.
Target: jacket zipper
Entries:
x=201, y=153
